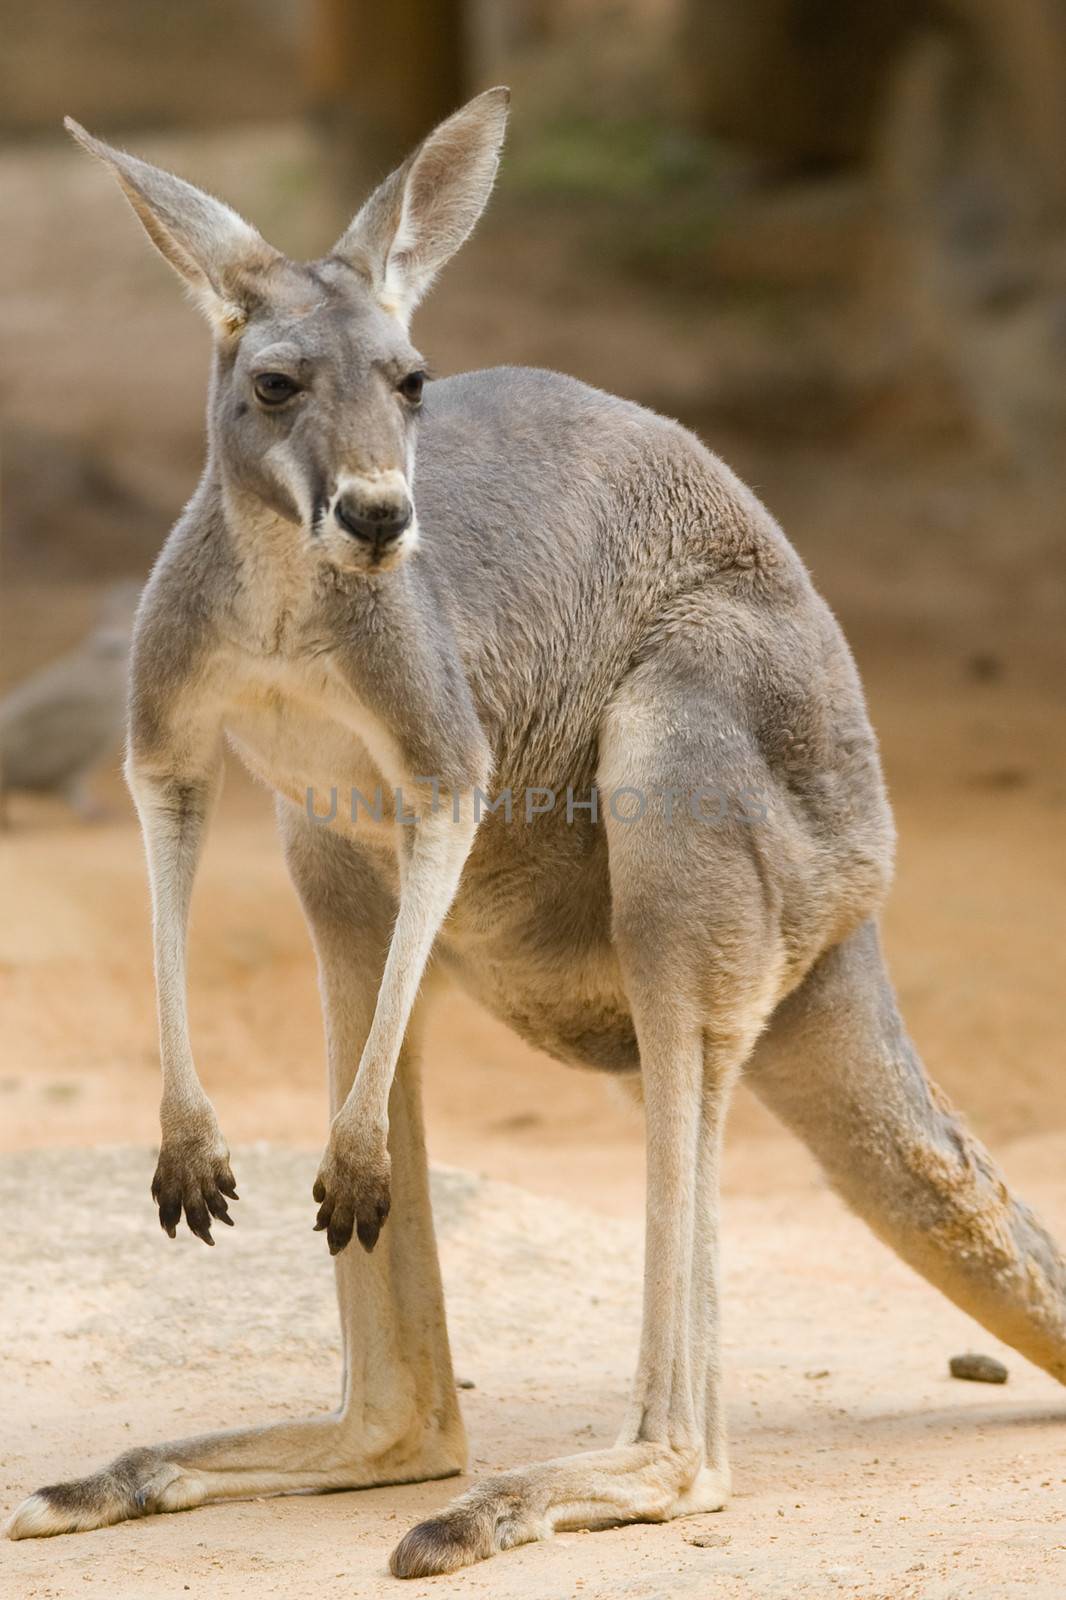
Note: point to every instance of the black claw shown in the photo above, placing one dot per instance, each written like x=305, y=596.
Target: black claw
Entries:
x=338, y=1235
x=369, y=1233
x=217, y=1207
x=319, y=1190
x=199, y=1222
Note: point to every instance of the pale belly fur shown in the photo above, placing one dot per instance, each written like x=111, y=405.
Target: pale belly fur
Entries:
x=302, y=736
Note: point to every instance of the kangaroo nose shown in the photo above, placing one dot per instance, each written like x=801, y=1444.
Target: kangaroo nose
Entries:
x=379, y=522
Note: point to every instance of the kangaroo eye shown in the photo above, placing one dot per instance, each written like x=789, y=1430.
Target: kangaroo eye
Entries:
x=411, y=387
x=273, y=388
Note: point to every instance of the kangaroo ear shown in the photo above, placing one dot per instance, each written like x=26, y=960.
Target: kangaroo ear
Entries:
x=213, y=249
x=423, y=211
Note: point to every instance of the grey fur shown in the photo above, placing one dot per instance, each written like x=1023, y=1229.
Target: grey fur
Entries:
x=594, y=598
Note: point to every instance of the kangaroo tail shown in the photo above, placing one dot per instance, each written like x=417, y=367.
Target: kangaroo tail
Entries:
x=837, y=1067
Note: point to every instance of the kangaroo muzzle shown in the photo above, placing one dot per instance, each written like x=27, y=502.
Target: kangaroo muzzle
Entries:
x=376, y=518
x=376, y=522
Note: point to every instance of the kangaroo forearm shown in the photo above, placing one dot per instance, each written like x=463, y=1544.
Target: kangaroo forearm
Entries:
x=430, y=882
x=353, y=1184
x=181, y=1084
x=173, y=812
x=193, y=1174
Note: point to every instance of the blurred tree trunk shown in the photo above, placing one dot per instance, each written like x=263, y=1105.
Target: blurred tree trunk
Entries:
x=1024, y=45
x=955, y=113
x=796, y=80
x=804, y=81
x=973, y=184
x=383, y=72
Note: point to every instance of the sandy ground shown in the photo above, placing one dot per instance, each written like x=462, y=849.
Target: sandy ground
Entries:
x=861, y=1467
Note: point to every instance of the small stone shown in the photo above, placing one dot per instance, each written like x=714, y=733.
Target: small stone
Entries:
x=985, y=667
x=465, y=1383
x=978, y=1368
x=817, y=1372
x=709, y=1541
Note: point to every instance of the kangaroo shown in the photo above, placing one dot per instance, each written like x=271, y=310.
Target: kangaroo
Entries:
x=585, y=604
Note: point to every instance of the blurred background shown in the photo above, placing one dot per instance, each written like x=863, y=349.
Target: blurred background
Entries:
x=829, y=237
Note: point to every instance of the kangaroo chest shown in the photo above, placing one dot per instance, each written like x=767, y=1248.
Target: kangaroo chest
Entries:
x=528, y=934
x=300, y=730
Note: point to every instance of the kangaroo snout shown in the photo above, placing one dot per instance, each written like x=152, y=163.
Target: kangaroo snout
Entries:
x=378, y=521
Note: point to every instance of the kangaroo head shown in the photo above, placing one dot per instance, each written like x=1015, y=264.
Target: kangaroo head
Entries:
x=316, y=386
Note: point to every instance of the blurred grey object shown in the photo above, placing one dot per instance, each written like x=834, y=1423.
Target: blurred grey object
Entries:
x=57, y=726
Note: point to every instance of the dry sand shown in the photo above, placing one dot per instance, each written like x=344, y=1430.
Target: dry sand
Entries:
x=861, y=1467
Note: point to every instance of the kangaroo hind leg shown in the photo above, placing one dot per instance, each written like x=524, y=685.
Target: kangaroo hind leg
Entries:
x=700, y=965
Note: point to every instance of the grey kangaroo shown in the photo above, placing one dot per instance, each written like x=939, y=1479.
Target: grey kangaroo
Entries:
x=584, y=600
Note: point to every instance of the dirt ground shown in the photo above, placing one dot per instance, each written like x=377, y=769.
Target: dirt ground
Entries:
x=861, y=1468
